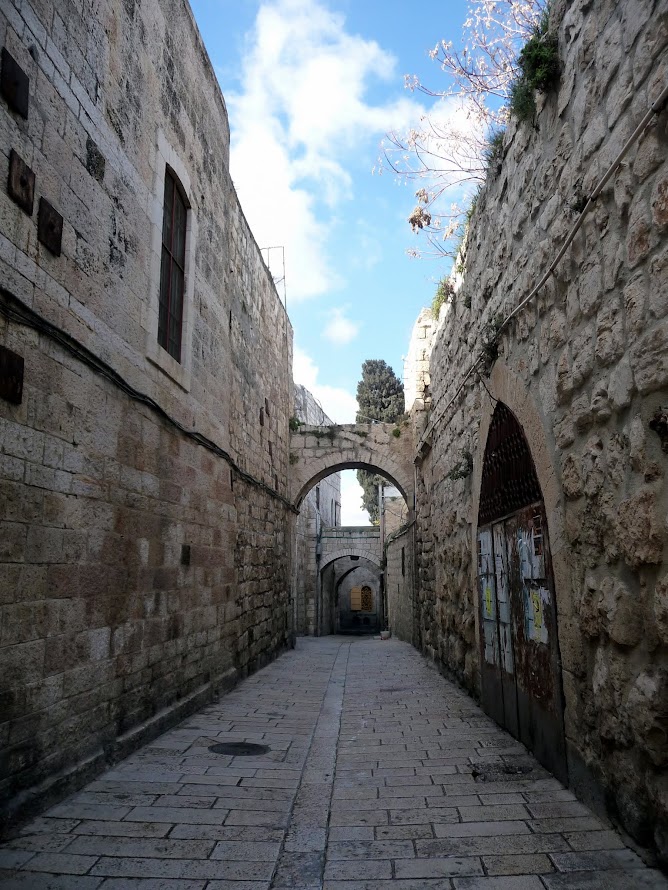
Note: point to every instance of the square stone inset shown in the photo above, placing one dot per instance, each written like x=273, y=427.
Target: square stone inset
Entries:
x=14, y=84
x=50, y=227
x=11, y=376
x=21, y=183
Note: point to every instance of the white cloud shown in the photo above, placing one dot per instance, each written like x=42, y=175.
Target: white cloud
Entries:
x=301, y=108
x=339, y=329
x=337, y=403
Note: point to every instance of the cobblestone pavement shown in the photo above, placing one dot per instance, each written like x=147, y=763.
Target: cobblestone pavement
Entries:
x=374, y=781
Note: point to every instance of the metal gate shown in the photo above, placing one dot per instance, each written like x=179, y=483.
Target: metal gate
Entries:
x=520, y=664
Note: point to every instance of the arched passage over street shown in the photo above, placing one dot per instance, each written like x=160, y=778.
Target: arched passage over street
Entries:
x=384, y=448
x=344, y=554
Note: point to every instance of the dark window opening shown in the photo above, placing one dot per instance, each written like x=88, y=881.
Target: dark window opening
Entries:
x=172, y=270
x=403, y=560
x=261, y=416
x=317, y=497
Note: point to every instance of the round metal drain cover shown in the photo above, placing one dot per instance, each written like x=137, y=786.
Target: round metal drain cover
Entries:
x=239, y=749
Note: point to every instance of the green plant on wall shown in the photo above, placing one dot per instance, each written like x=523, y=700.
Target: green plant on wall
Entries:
x=539, y=70
x=444, y=294
x=462, y=468
x=490, y=342
x=493, y=151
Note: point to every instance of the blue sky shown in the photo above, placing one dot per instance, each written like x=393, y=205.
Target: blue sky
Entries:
x=311, y=87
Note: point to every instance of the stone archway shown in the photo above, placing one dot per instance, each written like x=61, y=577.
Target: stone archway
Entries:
x=545, y=736
x=350, y=551
x=384, y=448
x=344, y=581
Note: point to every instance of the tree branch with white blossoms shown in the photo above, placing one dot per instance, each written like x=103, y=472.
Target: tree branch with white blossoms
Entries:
x=450, y=150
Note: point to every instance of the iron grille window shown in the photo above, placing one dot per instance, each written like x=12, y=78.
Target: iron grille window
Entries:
x=366, y=603
x=172, y=270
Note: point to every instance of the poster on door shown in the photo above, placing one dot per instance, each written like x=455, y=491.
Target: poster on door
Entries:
x=536, y=606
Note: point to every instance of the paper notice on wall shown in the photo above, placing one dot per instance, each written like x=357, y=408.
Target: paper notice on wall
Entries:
x=536, y=601
x=487, y=598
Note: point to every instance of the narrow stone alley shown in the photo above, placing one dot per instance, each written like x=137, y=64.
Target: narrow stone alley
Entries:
x=378, y=773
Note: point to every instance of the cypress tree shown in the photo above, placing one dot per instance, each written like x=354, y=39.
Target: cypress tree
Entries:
x=380, y=396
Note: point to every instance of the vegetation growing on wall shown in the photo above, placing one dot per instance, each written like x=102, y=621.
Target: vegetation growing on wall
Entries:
x=539, y=70
x=443, y=295
x=463, y=468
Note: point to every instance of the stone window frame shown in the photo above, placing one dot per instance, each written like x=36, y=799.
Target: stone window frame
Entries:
x=179, y=372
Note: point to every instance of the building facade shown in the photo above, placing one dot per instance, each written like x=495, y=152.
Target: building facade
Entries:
x=320, y=508
x=146, y=393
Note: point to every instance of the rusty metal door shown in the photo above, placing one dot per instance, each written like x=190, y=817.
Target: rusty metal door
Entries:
x=521, y=668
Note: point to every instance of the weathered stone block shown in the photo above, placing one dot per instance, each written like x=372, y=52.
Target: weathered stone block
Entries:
x=649, y=358
x=659, y=199
x=638, y=529
x=623, y=614
x=570, y=476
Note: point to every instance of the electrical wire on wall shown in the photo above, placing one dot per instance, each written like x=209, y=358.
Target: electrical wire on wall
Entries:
x=480, y=360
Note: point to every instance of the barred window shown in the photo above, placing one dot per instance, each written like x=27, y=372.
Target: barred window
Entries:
x=172, y=270
x=366, y=599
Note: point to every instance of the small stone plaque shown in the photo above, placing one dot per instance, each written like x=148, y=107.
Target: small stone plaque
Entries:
x=21, y=183
x=14, y=84
x=50, y=227
x=11, y=376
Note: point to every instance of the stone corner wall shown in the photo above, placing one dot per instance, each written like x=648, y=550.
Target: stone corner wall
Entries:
x=320, y=507
x=584, y=369
x=400, y=582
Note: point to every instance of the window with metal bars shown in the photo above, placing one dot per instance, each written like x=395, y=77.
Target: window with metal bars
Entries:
x=172, y=270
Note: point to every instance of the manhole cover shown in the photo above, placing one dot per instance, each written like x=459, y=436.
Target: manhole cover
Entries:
x=499, y=772
x=239, y=749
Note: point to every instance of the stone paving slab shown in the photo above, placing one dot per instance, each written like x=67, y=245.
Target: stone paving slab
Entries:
x=373, y=782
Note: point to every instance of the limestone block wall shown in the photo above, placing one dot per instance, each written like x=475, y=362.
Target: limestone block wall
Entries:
x=400, y=583
x=139, y=569
x=584, y=368
x=321, y=507
x=351, y=540
x=417, y=379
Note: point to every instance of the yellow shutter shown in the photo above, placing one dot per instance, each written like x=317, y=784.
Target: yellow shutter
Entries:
x=355, y=599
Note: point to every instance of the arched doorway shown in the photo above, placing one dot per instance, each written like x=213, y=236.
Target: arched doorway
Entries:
x=520, y=663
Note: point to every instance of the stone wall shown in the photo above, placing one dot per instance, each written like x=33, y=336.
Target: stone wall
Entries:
x=417, y=378
x=142, y=568
x=321, y=507
x=583, y=367
x=400, y=582
x=351, y=540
